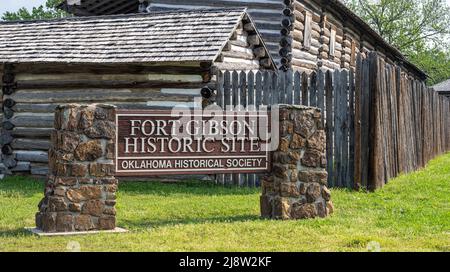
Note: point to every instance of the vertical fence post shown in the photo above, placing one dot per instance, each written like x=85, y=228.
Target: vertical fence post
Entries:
x=304, y=89
x=351, y=126
x=313, y=90
x=297, y=88
x=329, y=127
x=358, y=124
x=321, y=94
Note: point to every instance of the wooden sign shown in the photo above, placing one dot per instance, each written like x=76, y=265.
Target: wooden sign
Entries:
x=153, y=143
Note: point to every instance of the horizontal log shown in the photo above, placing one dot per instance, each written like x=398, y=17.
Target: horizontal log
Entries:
x=346, y=58
x=31, y=144
x=92, y=77
x=34, y=108
x=298, y=6
x=347, y=50
x=324, y=55
x=314, y=50
x=241, y=64
x=324, y=48
x=6, y=137
x=297, y=36
x=236, y=43
x=299, y=15
x=39, y=169
x=347, y=43
x=8, y=89
x=242, y=37
x=316, y=27
x=94, y=95
x=285, y=41
x=304, y=64
x=9, y=103
x=236, y=66
x=41, y=120
x=265, y=62
x=315, y=35
x=8, y=113
x=249, y=27
x=330, y=64
x=325, y=40
x=316, y=18
x=21, y=167
x=299, y=26
x=7, y=150
x=315, y=43
x=259, y=52
x=9, y=161
x=104, y=84
x=32, y=132
x=253, y=40
x=238, y=55
x=7, y=125
x=157, y=68
x=298, y=54
x=31, y=156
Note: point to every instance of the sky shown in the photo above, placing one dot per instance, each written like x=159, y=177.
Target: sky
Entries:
x=13, y=5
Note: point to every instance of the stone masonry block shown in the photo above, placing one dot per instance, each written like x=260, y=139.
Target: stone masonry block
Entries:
x=80, y=193
x=296, y=187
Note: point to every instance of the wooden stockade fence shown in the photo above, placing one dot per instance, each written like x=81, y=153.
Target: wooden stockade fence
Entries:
x=403, y=124
x=378, y=121
x=328, y=91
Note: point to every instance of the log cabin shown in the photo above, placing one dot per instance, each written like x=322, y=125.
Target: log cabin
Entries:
x=138, y=61
x=304, y=35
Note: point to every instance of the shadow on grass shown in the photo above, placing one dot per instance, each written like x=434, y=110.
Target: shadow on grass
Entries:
x=155, y=223
x=182, y=187
x=20, y=232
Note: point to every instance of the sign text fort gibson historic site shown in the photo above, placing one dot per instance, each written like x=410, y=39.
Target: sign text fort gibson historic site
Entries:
x=172, y=143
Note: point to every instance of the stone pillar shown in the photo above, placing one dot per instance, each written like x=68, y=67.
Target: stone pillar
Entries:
x=80, y=192
x=296, y=187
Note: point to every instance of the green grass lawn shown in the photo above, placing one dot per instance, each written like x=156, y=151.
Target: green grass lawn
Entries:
x=412, y=213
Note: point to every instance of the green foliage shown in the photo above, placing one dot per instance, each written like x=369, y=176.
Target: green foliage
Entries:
x=420, y=29
x=410, y=214
x=49, y=11
x=406, y=23
x=435, y=62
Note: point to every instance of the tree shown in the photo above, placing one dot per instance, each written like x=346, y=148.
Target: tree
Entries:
x=435, y=62
x=49, y=11
x=420, y=29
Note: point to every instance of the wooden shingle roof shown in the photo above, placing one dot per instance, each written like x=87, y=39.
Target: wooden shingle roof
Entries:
x=443, y=87
x=177, y=36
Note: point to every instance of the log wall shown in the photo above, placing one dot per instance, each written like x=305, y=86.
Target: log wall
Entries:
x=314, y=33
x=314, y=36
x=31, y=92
x=27, y=130
x=317, y=38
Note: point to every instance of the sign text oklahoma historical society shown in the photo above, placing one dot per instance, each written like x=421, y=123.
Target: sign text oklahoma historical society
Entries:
x=172, y=143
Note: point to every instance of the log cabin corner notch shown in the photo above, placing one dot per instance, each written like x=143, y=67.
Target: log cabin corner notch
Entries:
x=139, y=61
